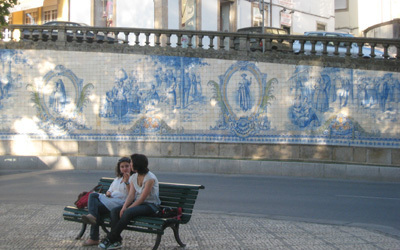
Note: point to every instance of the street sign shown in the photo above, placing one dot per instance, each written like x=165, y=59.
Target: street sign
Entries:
x=286, y=19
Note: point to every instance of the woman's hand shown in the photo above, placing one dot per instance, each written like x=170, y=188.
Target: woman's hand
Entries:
x=108, y=194
x=125, y=177
x=122, y=211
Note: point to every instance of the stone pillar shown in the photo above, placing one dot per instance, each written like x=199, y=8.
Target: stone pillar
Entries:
x=161, y=18
x=161, y=14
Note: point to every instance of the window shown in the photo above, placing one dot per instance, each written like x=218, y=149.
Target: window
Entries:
x=50, y=15
x=341, y=4
x=257, y=15
x=31, y=17
x=188, y=15
x=321, y=26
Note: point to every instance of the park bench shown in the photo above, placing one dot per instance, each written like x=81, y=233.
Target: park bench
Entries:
x=172, y=195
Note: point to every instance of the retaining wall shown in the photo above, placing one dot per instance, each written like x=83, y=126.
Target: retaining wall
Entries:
x=84, y=102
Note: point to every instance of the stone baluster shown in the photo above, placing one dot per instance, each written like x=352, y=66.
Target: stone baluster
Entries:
x=179, y=42
x=325, y=48
x=302, y=42
x=348, y=49
x=385, y=50
x=211, y=41
x=190, y=44
x=336, y=45
x=360, y=47
x=147, y=34
x=200, y=37
x=313, y=51
x=373, y=49
x=221, y=42
x=126, y=41
x=157, y=42
x=137, y=34
x=168, y=40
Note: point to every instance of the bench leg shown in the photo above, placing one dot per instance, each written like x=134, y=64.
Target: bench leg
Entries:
x=83, y=229
x=175, y=228
x=104, y=228
x=158, y=240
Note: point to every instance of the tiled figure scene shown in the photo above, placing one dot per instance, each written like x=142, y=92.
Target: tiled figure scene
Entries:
x=61, y=95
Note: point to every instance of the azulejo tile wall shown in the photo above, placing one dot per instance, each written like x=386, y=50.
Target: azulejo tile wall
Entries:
x=93, y=96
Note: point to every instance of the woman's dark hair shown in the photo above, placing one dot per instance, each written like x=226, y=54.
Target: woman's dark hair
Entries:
x=118, y=172
x=140, y=163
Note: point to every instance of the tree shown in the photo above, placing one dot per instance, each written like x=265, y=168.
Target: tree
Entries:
x=5, y=5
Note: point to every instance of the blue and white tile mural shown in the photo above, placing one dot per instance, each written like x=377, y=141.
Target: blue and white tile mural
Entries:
x=60, y=100
x=98, y=96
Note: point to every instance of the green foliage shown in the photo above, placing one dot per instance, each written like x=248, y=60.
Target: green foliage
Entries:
x=268, y=93
x=84, y=97
x=218, y=96
x=4, y=10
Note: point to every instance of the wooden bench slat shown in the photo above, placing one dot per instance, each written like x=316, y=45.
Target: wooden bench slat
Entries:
x=190, y=199
x=177, y=204
x=147, y=225
x=179, y=194
x=144, y=230
x=178, y=191
x=180, y=185
x=76, y=210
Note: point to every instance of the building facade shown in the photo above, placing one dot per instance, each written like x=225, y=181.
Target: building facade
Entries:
x=355, y=16
x=296, y=16
x=39, y=11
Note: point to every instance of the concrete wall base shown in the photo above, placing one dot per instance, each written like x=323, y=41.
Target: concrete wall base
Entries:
x=213, y=166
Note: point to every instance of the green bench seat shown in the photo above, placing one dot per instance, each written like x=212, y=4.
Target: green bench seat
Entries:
x=172, y=195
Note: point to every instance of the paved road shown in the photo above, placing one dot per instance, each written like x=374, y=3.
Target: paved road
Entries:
x=372, y=205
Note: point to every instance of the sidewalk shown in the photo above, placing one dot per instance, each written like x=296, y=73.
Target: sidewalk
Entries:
x=34, y=226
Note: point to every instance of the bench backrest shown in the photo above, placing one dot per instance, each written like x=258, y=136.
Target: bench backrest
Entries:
x=171, y=195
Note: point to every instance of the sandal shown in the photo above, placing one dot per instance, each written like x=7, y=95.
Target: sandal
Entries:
x=90, y=242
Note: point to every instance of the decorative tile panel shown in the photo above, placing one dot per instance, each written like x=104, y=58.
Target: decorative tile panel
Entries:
x=93, y=96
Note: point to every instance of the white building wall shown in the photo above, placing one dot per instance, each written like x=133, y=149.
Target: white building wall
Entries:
x=358, y=17
x=308, y=13
x=383, y=11
x=173, y=15
x=243, y=14
x=80, y=11
x=135, y=14
x=209, y=19
x=140, y=14
x=305, y=17
x=209, y=15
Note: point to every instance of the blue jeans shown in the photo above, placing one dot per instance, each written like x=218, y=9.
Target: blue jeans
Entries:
x=96, y=208
x=119, y=224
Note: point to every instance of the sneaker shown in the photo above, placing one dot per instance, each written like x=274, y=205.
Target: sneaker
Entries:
x=115, y=245
x=106, y=244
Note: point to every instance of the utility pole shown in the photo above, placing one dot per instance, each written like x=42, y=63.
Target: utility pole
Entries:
x=261, y=6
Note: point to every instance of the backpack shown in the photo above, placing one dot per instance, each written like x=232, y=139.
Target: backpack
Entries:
x=169, y=212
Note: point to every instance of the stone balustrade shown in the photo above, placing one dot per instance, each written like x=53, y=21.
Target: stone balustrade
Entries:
x=266, y=44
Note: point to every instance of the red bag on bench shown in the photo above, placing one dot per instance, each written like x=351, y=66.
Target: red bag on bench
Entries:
x=83, y=197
